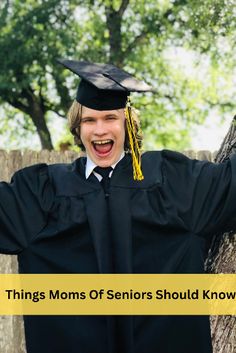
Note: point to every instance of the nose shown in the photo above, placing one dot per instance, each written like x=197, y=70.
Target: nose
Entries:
x=100, y=128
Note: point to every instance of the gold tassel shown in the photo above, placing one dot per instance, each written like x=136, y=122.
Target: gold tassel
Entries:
x=135, y=150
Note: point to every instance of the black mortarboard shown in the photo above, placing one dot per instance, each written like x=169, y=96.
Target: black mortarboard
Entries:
x=103, y=86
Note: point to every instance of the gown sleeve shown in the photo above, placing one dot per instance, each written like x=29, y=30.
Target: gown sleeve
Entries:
x=24, y=206
x=203, y=193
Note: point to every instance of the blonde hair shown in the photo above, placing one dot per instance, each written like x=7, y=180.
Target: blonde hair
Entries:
x=74, y=118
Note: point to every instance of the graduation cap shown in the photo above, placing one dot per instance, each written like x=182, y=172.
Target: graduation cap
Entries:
x=106, y=87
x=103, y=86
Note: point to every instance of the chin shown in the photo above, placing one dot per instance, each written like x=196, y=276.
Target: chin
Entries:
x=105, y=164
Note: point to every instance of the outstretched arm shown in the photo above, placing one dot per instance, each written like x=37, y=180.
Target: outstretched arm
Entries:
x=24, y=206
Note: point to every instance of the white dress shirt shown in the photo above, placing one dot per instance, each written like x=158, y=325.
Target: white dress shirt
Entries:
x=90, y=165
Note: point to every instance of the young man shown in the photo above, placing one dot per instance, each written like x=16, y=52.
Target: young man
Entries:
x=151, y=217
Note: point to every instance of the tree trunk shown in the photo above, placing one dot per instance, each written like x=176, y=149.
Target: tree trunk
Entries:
x=37, y=111
x=222, y=259
x=34, y=106
x=38, y=119
x=114, y=20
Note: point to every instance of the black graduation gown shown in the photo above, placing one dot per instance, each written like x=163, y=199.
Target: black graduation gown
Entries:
x=58, y=222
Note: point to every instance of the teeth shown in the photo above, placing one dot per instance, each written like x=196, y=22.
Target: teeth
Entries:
x=101, y=142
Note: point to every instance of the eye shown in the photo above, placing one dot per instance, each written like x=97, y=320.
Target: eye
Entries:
x=111, y=117
x=87, y=120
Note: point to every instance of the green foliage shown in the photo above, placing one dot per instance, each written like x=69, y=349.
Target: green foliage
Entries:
x=33, y=35
x=16, y=130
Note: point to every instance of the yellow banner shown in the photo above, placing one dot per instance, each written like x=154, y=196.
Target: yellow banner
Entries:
x=116, y=294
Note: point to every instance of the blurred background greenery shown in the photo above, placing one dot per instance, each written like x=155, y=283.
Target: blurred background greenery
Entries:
x=183, y=48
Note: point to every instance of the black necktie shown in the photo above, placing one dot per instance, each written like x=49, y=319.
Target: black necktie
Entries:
x=104, y=172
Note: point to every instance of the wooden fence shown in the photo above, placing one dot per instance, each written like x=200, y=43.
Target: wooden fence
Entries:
x=11, y=327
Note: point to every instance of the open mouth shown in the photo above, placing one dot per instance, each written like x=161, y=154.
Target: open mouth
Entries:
x=103, y=147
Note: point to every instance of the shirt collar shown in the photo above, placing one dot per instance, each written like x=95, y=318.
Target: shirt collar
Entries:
x=90, y=165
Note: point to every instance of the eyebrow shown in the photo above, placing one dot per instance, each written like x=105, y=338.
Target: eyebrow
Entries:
x=93, y=117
